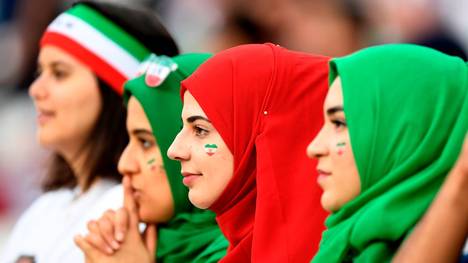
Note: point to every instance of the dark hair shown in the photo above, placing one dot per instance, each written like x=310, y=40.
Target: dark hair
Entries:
x=141, y=23
x=109, y=137
x=103, y=146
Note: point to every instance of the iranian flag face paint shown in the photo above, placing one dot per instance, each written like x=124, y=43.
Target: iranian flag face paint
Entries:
x=211, y=149
x=151, y=164
x=340, y=147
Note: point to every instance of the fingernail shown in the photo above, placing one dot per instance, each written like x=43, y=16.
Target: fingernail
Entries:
x=109, y=250
x=119, y=236
x=115, y=245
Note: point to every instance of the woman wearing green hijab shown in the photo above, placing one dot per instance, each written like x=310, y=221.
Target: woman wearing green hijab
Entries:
x=395, y=119
x=153, y=187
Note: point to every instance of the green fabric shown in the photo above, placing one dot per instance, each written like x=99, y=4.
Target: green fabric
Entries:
x=407, y=113
x=192, y=235
x=111, y=30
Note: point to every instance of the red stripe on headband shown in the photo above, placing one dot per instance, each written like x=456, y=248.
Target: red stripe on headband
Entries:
x=102, y=69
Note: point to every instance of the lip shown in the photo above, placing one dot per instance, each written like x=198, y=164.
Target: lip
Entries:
x=43, y=116
x=322, y=175
x=136, y=194
x=189, y=178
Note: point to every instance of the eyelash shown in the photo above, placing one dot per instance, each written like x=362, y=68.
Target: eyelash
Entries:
x=146, y=144
x=339, y=124
x=200, y=132
x=59, y=74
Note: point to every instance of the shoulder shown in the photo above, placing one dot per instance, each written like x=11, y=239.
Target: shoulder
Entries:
x=54, y=200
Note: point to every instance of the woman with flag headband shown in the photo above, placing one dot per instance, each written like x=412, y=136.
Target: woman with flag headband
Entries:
x=154, y=193
x=86, y=54
x=395, y=120
x=248, y=114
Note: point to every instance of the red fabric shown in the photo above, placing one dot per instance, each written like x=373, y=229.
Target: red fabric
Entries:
x=270, y=211
x=102, y=69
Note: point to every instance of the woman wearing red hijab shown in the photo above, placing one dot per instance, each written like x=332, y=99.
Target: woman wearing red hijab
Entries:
x=249, y=113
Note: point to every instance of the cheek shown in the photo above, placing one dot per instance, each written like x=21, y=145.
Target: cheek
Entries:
x=82, y=110
x=217, y=169
x=341, y=156
x=157, y=205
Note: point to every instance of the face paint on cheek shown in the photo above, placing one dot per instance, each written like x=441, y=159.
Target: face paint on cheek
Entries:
x=211, y=149
x=151, y=164
x=340, y=147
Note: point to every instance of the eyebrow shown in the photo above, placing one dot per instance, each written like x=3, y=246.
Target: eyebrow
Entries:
x=333, y=110
x=192, y=119
x=141, y=132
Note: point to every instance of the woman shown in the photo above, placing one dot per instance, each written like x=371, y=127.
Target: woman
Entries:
x=185, y=233
x=86, y=54
x=395, y=120
x=241, y=153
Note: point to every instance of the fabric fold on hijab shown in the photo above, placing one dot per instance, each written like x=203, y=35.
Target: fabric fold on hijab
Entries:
x=192, y=235
x=406, y=108
x=266, y=103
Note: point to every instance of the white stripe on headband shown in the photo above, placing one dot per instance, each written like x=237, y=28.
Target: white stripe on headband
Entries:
x=96, y=42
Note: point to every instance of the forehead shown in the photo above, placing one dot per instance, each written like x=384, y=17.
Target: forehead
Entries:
x=136, y=117
x=335, y=95
x=50, y=54
x=191, y=106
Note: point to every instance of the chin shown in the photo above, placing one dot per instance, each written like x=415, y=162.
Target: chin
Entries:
x=45, y=140
x=198, y=201
x=327, y=204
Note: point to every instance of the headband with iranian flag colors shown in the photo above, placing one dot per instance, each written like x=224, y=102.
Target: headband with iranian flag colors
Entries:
x=112, y=53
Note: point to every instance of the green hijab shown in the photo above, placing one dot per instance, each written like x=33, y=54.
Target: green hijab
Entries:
x=406, y=108
x=192, y=235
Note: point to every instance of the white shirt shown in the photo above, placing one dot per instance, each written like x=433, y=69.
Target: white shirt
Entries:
x=46, y=229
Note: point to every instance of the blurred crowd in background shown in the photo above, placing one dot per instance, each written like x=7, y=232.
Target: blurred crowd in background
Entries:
x=328, y=27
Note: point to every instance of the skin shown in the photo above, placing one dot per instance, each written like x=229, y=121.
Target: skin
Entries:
x=142, y=162
x=205, y=175
x=444, y=228
x=68, y=102
x=338, y=174
x=115, y=237
x=134, y=247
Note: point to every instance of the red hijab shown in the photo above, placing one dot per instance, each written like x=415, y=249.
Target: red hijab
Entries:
x=266, y=103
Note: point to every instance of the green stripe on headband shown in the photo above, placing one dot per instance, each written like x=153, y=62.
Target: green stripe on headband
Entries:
x=111, y=30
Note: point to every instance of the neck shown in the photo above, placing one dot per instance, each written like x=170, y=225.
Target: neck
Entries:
x=76, y=158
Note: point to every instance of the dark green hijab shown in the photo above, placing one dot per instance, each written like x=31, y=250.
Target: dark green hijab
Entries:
x=406, y=108
x=192, y=235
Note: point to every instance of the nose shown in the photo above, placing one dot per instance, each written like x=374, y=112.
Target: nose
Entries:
x=38, y=89
x=317, y=147
x=179, y=150
x=128, y=165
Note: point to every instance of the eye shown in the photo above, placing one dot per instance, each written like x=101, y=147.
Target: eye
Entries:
x=339, y=124
x=146, y=144
x=59, y=74
x=200, y=132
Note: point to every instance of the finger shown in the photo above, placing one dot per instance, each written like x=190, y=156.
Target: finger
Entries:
x=150, y=237
x=85, y=247
x=121, y=224
x=106, y=229
x=96, y=240
x=130, y=203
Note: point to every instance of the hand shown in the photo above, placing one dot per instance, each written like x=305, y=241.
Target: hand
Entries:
x=120, y=227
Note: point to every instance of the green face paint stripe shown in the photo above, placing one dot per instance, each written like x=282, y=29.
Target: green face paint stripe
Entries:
x=214, y=146
x=151, y=161
x=340, y=144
